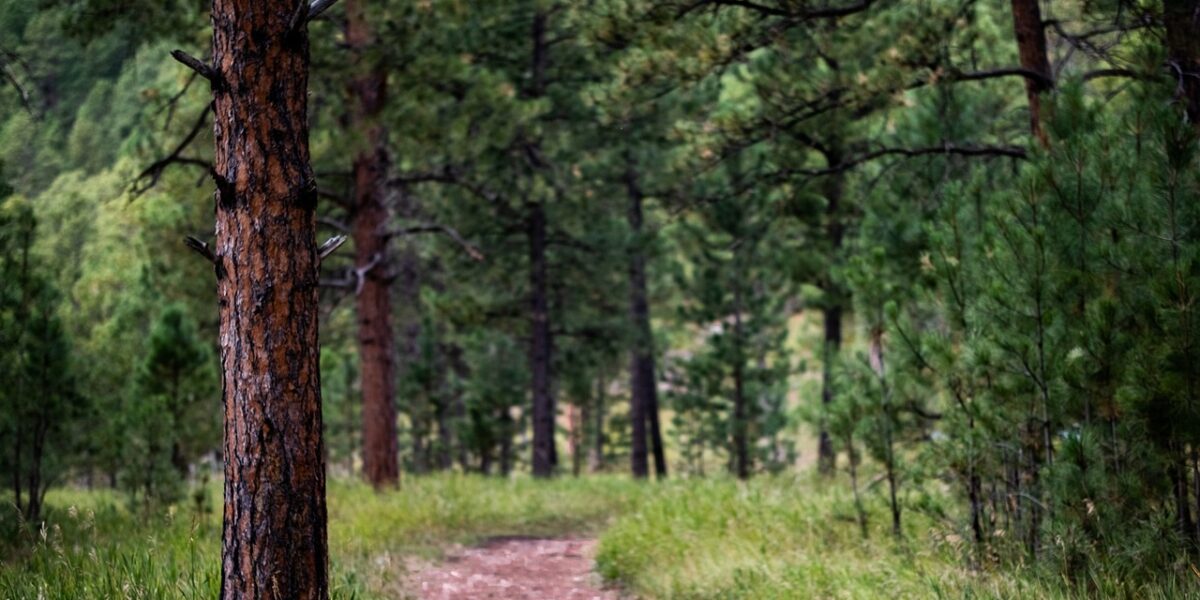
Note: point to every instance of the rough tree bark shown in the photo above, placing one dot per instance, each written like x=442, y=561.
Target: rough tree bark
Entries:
x=367, y=93
x=643, y=406
x=1031, y=45
x=1182, y=18
x=266, y=260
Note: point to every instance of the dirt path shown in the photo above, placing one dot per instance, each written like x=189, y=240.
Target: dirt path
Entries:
x=514, y=568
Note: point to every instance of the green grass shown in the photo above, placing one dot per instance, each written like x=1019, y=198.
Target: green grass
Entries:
x=717, y=538
x=95, y=546
x=797, y=538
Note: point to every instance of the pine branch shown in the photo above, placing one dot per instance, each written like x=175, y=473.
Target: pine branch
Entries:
x=155, y=171
x=200, y=67
x=202, y=249
x=330, y=246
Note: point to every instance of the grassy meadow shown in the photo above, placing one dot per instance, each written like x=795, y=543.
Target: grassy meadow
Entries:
x=716, y=538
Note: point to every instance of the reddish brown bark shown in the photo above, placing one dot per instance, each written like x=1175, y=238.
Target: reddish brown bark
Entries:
x=1031, y=45
x=376, y=342
x=274, y=539
x=1182, y=18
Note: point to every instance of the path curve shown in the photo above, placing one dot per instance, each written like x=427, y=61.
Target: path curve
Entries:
x=515, y=568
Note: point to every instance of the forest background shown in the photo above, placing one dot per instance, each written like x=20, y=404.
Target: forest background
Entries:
x=906, y=285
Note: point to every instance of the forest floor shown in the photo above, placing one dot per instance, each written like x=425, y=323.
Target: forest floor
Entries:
x=513, y=568
x=601, y=537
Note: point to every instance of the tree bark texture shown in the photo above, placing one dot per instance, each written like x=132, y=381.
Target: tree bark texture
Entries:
x=376, y=343
x=274, y=537
x=1031, y=45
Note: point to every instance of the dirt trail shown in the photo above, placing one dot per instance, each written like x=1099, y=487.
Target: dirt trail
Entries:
x=515, y=568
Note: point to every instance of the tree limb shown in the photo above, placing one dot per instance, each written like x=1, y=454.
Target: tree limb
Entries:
x=1003, y=151
x=200, y=67
x=155, y=170
x=330, y=246
x=828, y=12
x=319, y=6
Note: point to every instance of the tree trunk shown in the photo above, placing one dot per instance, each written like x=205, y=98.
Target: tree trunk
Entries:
x=596, y=456
x=1182, y=19
x=643, y=385
x=835, y=233
x=1031, y=45
x=741, y=444
x=507, y=431
x=376, y=343
x=656, y=439
x=274, y=537
x=876, y=359
x=826, y=457
x=540, y=346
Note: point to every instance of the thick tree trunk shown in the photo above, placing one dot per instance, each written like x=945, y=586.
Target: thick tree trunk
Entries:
x=1031, y=45
x=274, y=538
x=643, y=387
x=376, y=342
x=1182, y=19
x=540, y=346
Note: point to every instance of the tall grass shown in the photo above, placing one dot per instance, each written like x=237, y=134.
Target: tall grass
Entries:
x=717, y=538
x=95, y=545
x=797, y=538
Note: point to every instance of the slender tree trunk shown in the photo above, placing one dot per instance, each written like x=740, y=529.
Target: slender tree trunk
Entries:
x=16, y=473
x=1183, y=508
x=826, y=457
x=274, y=538
x=367, y=93
x=442, y=412
x=1182, y=18
x=1031, y=45
x=880, y=367
x=852, y=456
x=639, y=354
x=596, y=458
x=741, y=445
x=643, y=383
x=507, y=431
x=835, y=232
x=656, y=438
x=540, y=346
